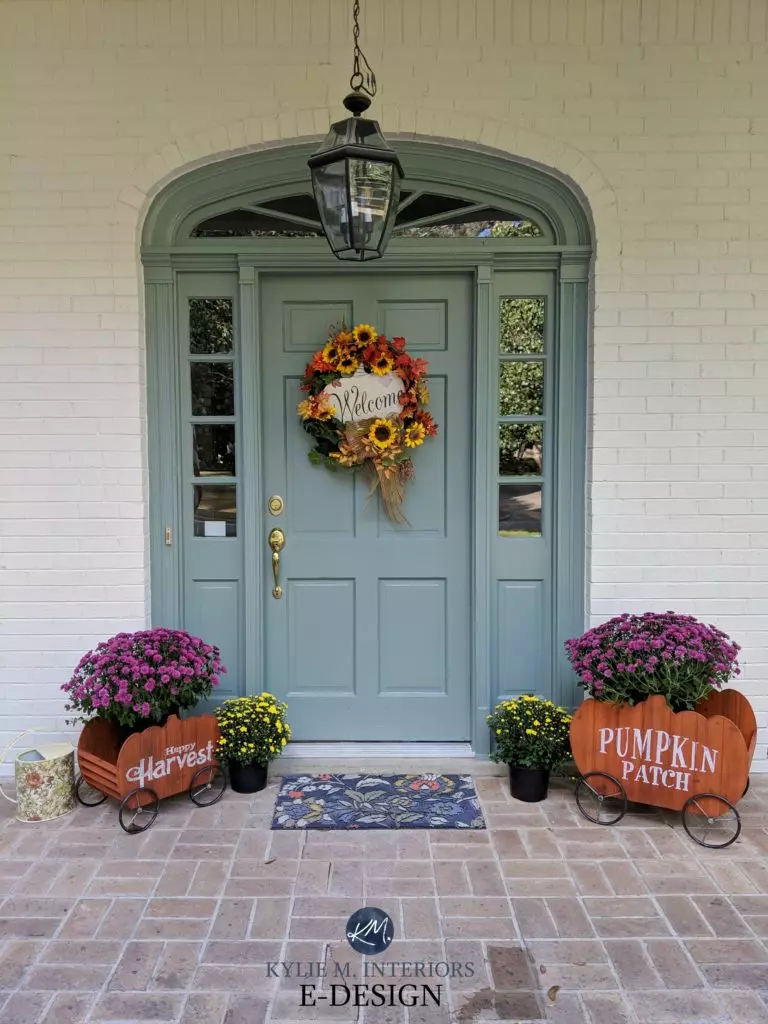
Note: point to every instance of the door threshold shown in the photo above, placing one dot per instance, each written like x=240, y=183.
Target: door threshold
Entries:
x=371, y=750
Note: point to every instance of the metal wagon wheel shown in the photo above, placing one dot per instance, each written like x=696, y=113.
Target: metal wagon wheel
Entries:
x=711, y=820
x=207, y=786
x=86, y=794
x=138, y=810
x=746, y=788
x=601, y=798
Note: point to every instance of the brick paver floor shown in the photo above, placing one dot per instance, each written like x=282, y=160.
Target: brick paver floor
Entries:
x=562, y=921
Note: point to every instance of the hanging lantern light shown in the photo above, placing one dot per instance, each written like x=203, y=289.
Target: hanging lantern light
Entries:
x=356, y=174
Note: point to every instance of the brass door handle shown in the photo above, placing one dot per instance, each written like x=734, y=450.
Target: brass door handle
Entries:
x=277, y=543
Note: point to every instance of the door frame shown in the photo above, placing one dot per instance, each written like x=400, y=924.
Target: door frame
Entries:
x=168, y=251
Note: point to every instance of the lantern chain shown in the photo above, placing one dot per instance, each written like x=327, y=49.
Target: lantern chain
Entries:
x=362, y=80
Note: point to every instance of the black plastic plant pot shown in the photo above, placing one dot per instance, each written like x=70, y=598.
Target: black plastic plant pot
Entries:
x=247, y=778
x=528, y=784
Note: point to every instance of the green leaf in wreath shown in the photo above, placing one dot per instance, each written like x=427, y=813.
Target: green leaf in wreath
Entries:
x=315, y=457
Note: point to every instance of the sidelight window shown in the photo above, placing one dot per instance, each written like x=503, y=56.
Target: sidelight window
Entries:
x=211, y=368
x=521, y=412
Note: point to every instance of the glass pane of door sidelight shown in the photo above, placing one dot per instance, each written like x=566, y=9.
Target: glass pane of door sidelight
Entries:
x=213, y=388
x=521, y=389
x=521, y=326
x=520, y=510
x=215, y=510
x=213, y=449
x=211, y=327
x=521, y=449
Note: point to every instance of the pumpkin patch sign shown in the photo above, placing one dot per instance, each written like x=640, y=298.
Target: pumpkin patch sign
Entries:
x=661, y=757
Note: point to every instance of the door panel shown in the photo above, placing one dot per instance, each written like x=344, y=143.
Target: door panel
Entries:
x=211, y=470
x=523, y=472
x=371, y=640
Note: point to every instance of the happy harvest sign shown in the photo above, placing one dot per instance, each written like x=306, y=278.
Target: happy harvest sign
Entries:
x=171, y=760
x=364, y=396
x=165, y=758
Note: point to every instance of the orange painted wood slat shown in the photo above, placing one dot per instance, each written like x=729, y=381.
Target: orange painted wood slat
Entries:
x=734, y=705
x=92, y=768
x=99, y=738
x=660, y=758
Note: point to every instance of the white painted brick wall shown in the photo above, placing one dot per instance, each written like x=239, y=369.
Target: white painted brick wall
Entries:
x=656, y=108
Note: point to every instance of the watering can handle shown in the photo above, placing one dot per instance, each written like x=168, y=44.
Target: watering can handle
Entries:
x=8, y=749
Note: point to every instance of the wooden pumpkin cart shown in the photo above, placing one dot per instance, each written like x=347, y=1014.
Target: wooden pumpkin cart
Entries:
x=161, y=761
x=696, y=762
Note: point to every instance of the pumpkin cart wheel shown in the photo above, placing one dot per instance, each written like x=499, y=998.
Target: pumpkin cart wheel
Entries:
x=86, y=794
x=138, y=811
x=746, y=788
x=207, y=786
x=601, y=798
x=711, y=820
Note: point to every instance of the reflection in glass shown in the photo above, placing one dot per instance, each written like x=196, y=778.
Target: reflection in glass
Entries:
x=520, y=449
x=210, y=326
x=214, y=449
x=476, y=224
x=330, y=183
x=521, y=326
x=213, y=389
x=521, y=389
x=520, y=510
x=250, y=224
x=215, y=511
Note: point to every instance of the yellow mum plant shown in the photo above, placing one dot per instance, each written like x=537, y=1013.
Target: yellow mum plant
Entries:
x=530, y=733
x=252, y=729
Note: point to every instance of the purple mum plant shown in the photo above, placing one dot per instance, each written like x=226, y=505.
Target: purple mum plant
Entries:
x=632, y=657
x=140, y=678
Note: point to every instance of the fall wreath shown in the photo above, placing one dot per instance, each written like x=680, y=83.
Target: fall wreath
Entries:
x=366, y=409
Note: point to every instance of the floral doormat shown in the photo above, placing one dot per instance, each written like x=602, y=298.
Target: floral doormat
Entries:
x=377, y=801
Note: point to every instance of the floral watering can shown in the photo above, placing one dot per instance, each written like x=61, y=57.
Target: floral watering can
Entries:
x=45, y=780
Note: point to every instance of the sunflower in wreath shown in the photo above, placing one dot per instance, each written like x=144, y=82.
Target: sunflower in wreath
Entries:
x=366, y=409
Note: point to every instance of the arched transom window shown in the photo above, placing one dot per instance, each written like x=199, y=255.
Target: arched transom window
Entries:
x=421, y=214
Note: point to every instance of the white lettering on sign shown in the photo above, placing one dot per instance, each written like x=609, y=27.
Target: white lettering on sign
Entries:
x=364, y=396
x=647, y=762
x=177, y=759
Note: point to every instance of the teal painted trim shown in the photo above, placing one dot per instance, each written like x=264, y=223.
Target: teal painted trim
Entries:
x=251, y=500
x=162, y=454
x=300, y=255
x=482, y=512
x=570, y=547
x=482, y=175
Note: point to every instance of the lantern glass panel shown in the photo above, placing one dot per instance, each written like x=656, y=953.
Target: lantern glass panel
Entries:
x=370, y=199
x=330, y=185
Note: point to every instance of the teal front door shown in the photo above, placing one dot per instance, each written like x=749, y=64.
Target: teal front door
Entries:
x=371, y=637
